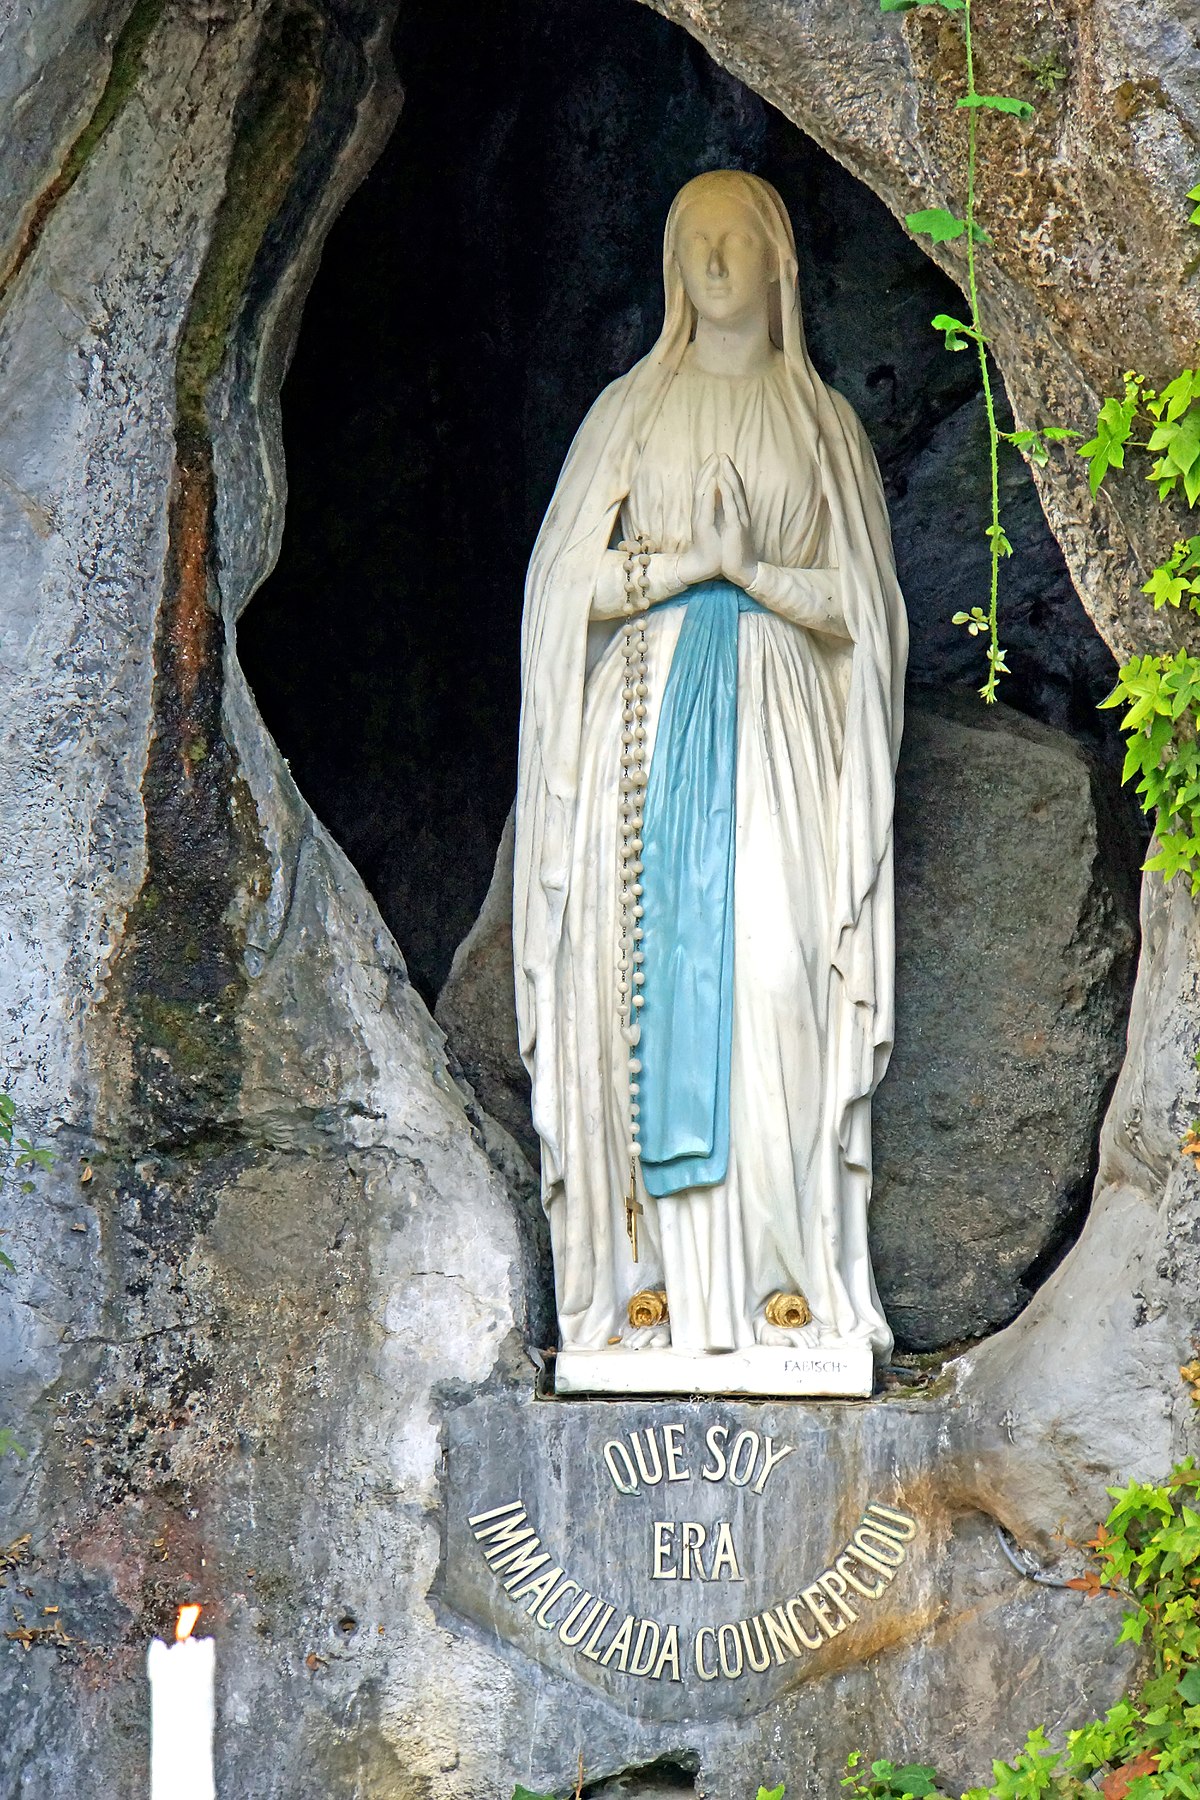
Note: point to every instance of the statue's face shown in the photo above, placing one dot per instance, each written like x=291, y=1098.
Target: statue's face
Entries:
x=724, y=258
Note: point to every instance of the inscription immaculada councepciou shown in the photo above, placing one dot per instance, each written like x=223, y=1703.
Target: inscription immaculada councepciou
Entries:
x=679, y=1549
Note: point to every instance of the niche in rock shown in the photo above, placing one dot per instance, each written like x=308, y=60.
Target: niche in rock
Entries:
x=495, y=270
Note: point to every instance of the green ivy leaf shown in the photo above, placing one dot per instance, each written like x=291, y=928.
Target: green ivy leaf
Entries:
x=524, y=1793
x=935, y=222
x=916, y=1780
x=775, y=1793
x=1176, y=397
x=6, y=1262
x=975, y=621
x=1033, y=442
x=1114, y=423
x=9, y=1444
x=1195, y=196
x=1004, y=103
x=956, y=331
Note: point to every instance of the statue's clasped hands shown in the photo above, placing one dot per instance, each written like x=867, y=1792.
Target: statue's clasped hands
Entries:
x=721, y=541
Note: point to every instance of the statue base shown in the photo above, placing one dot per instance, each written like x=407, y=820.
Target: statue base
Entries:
x=844, y=1370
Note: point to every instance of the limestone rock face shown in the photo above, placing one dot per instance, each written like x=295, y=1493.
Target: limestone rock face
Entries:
x=280, y=1246
x=1015, y=932
x=476, y=1007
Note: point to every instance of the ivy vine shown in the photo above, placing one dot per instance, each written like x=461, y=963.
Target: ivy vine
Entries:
x=943, y=227
x=1160, y=694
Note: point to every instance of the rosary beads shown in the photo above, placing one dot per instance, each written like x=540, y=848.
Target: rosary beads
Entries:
x=632, y=791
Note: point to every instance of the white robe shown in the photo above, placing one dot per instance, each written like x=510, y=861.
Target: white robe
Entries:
x=721, y=1250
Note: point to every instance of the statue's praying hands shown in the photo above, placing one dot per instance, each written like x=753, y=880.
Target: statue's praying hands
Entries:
x=722, y=544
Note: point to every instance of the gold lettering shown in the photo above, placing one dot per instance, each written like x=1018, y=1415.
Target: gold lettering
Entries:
x=728, y=1671
x=636, y=1665
x=781, y=1634
x=835, y=1587
x=811, y=1643
x=590, y=1648
x=725, y=1554
x=493, y=1513
x=903, y=1527
x=675, y=1470
x=763, y=1651
x=515, y=1546
x=564, y=1630
x=537, y=1585
x=542, y=1615
x=717, y=1472
x=619, y=1646
x=819, y=1608
x=521, y=1562
x=885, y=1545
x=613, y=1450
x=693, y=1536
x=651, y=1480
x=871, y=1593
x=773, y=1457
x=664, y=1544
x=505, y=1531
x=864, y=1556
x=705, y=1631
x=668, y=1654
x=747, y=1440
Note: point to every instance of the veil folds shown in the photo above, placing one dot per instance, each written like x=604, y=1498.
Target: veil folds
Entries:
x=595, y=480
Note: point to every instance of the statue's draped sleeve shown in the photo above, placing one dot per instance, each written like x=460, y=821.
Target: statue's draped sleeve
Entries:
x=559, y=589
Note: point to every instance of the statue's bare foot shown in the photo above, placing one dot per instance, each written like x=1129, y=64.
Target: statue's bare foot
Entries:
x=646, y=1337
x=805, y=1337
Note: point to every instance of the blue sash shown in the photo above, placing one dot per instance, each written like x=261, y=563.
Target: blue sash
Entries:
x=687, y=881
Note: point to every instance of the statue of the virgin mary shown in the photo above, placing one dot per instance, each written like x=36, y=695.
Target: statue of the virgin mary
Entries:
x=713, y=660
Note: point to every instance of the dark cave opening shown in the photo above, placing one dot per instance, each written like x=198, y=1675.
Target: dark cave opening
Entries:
x=497, y=268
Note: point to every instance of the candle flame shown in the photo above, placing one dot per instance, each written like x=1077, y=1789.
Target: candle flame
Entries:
x=186, y=1622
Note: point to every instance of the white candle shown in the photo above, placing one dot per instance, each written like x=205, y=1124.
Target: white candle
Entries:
x=181, y=1714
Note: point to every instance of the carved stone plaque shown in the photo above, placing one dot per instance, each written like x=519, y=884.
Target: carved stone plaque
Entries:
x=689, y=1556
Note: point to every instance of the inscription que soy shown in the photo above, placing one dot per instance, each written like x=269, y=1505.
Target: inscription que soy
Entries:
x=664, y=1461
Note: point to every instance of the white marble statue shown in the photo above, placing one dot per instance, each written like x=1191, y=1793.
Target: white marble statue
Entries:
x=770, y=699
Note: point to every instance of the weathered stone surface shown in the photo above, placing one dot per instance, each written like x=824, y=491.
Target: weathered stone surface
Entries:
x=476, y=1007
x=782, y=1490
x=1015, y=933
x=297, y=1256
